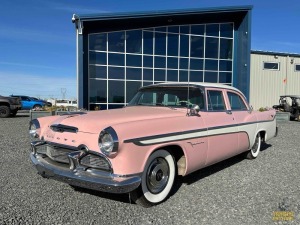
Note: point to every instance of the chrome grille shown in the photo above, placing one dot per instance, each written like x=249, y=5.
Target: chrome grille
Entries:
x=95, y=161
x=58, y=154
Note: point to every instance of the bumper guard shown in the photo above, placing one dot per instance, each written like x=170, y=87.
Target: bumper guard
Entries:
x=83, y=177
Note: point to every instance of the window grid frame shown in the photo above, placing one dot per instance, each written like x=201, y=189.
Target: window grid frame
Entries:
x=153, y=81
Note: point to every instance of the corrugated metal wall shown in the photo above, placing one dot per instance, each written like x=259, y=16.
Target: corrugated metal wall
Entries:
x=267, y=85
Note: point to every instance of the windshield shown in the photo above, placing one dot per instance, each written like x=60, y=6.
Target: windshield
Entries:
x=168, y=96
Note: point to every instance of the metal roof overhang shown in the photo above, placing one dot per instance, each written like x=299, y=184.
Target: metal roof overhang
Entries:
x=131, y=20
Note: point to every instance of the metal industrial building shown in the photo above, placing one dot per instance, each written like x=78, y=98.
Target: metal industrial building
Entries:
x=273, y=74
x=118, y=53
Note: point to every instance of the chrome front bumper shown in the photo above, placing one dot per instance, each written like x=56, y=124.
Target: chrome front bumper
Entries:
x=77, y=175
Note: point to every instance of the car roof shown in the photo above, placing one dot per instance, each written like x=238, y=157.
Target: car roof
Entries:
x=198, y=84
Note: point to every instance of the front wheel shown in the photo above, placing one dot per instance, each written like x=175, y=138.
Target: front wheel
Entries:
x=254, y=151
x=4, y=111
x=157, y=179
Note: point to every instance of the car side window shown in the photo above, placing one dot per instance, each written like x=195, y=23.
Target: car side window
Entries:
x=236, y=102
x=215, y=101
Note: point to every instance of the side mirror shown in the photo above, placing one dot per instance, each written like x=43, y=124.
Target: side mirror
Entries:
x=194, y=111
x=250, y=109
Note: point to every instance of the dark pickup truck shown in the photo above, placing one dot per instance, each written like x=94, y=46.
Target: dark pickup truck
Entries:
x=9, y=106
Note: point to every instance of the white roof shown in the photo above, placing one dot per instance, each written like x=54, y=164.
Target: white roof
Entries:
x=202, y=84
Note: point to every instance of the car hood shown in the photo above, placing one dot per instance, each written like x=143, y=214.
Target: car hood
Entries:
x=94, y=122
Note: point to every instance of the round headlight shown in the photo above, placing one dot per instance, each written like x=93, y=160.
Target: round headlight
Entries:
x=108, y=141
x=33, y=126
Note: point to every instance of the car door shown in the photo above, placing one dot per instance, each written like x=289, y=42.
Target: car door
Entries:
x=221, y=129
x=245, y=120
x=26, y=102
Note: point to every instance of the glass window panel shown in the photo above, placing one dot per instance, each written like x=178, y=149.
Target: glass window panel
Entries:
x=159, y=75
x=226, y=30
x=173, y=44
x=271, y=65
x=212, y=47
x=159, y=62
x=172, y=63
x=98, y=107
x=148, y=42
x=225, y=65
x=236, y=102
x=184, y=63
x=184, y=45
x=197, y=29
x=196, y=76
x=211, y=77
x=145, y=83
x=226, y=48
x=212, y=30
x=184, y=29
x=173, y=29
x=183, y=75
x=134, y=60
x=116, y=90
x=116, y=41
x=98, y=91
x=131, y=89
x=196, y=64
x=115, y=106
x=148, y=74
x=172, y=75
x=97, y=71
x=225, y=77
x=116, y=72
x=133, y=74
x=297, y=67
x=211, y=64
x=197, y=46
x=97, y=58
x=215, y=101
x=160, y=44
x=134, y=41
x=116, y=59
x=97, y=42
x=161, y=29
x=148, y=61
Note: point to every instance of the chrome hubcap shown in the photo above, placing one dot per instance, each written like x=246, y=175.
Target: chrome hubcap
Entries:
x=255, y=146
x=157, y=175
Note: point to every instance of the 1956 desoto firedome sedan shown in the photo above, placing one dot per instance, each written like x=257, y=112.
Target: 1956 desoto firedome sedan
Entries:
x=166, y=130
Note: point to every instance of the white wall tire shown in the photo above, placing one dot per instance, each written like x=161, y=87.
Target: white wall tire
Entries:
x=157, y=179
x=255, y=149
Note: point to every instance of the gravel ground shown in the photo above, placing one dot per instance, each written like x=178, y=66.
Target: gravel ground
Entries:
x=236, y=191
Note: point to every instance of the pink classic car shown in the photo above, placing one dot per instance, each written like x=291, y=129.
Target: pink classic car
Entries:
x=167, y=130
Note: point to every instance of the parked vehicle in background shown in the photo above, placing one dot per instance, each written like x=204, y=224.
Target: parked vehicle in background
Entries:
x=9, y=106
x=64, y=102
x=291, y=104
x=167, y=130
x=29, y=103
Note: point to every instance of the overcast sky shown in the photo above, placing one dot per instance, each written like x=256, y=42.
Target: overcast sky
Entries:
x=37, y=37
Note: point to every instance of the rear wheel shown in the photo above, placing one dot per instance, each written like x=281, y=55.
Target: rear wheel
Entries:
x=37, y=107
x=157, y=179
x=254, y=151
x=4, y=111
